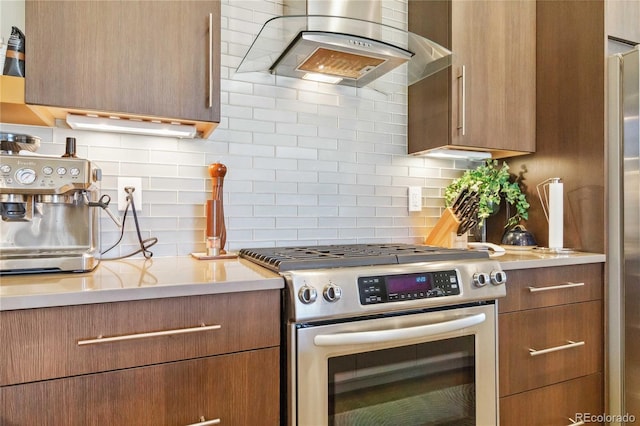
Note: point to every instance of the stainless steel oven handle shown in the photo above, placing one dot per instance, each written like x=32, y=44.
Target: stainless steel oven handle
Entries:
x=395, y=334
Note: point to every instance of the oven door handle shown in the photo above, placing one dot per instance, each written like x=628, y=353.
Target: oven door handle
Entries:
x=395, y=334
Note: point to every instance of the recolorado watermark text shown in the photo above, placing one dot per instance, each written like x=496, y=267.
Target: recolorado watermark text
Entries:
x=604, y=418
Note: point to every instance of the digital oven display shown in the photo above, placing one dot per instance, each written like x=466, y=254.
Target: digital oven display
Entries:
x=396, y=288
x=404, y=283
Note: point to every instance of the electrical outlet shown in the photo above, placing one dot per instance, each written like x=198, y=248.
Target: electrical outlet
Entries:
x=415, y=198
x=134, y=182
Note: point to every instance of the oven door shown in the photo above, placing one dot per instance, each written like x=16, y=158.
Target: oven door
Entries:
x=430, y=368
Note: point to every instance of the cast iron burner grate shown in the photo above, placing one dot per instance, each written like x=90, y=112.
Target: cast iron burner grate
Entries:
x=279, y=259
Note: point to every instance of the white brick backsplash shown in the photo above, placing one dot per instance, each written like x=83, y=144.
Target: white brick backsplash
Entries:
x=296, y=129
x=296, y=176
x=297, y=153
x=296, y=200
x=297, y=222
x=253, y=150
x=308, y=163
x=318, y=165
x=275, y=163
x=274, y=91
x=306, y=233
x=274, y=115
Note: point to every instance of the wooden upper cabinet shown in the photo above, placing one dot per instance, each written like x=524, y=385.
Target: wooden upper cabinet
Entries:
x=623, y=19
x=142, y=58
x=487, y=99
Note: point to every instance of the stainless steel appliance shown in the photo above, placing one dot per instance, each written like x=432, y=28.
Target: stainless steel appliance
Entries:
x=623, y=253
x=47, y=224
x=340, y=42
x=388, y=334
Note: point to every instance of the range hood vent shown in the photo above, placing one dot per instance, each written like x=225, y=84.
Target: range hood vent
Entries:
x=336, y=45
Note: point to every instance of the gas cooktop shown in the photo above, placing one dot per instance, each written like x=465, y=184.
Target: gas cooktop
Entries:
x=279, y=259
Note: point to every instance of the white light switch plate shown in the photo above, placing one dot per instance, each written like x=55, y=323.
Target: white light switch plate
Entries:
x=123, y=182
x=415, y=198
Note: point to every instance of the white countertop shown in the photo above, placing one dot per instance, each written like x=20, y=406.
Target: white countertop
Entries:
x=134, y=279
x=528, y=259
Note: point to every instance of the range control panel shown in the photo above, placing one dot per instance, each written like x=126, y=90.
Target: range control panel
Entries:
x=395, y=288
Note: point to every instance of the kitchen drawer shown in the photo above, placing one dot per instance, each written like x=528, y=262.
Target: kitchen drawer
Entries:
x=239, y=389
x=535, y=288
x=555, y=405
x=549, y=328
x=46, y=343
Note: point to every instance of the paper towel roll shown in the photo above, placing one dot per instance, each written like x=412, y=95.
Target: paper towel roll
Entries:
x=556, y=214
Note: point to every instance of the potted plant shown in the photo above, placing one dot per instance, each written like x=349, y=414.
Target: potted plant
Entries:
x=493, y=183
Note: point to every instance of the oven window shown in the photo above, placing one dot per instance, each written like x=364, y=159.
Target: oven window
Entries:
x=427, y=384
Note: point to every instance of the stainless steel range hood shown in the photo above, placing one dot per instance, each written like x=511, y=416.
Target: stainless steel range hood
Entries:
x=340, y=42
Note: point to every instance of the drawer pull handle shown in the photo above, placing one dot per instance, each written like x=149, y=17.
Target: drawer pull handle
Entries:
x=101, y=339
x=571, y=344
x=575, y=423
x=555, y=287
x=462, y=117
x=204, y=422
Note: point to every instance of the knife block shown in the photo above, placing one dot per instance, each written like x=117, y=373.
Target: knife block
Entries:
x=445, y=232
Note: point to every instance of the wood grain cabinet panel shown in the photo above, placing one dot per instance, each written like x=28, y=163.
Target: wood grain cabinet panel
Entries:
x=551, y=345
x=239, y=389
x=231, y=372
x=536, y=288
x=487, y=98
x=148, y=58
x=558, y=405
x=550, y=328
x=43, y=343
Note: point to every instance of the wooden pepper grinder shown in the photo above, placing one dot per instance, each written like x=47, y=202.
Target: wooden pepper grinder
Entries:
x=216, y=229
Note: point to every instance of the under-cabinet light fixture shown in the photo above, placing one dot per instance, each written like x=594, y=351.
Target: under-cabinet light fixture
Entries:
x=321, y=78
x=458, y=154
x=138, y=127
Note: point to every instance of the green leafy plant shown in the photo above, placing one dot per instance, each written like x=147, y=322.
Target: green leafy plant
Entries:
x=493, y=183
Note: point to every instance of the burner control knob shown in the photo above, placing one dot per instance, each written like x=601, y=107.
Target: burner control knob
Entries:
x=498, y=277
x=332, y=293
x=480, y=279
x=307, y=294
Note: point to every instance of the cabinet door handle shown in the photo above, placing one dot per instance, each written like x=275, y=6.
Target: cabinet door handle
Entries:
x=204, y=422
x=210, y=101
x=555, y=287
x=575, y=423
x=101, y=339
x=462, y=113
x=569, y=345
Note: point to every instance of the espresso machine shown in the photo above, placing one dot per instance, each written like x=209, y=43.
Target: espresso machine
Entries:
x=50, y=222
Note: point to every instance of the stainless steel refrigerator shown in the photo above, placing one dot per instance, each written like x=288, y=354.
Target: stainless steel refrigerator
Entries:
x=623, y=248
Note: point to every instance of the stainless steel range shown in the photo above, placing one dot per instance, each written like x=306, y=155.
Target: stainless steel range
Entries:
x=388, y=334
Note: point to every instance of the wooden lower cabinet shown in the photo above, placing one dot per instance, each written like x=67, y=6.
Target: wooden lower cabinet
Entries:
x=172, y=361
x=575, y=347
x=239, y=389
x=561, y=404
x=551, y=346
